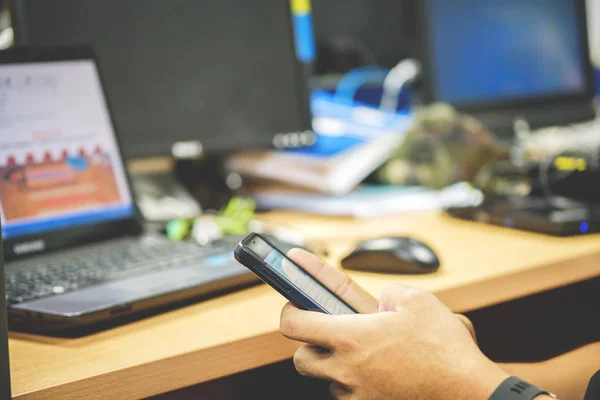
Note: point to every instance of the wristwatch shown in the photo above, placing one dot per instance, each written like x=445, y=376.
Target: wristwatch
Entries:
x=514, y=388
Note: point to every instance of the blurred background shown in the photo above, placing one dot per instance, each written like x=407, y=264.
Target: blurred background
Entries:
x=313, y=122
x=485, y=110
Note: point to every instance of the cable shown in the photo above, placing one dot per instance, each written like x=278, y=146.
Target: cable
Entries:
x=404, y=72
x=6, y=38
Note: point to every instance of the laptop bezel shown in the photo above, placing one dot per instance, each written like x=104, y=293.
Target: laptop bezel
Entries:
x=62, y=238
x=5, y=390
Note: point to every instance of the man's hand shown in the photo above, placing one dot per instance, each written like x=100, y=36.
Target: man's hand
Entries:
x=413, y=348
x=344, y=287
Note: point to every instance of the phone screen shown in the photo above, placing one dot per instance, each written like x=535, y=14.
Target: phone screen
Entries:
x=298, y=277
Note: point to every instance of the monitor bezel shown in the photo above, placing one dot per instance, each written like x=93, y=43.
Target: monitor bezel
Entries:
x=583, y=97
x=20, y=26
x=68, y=237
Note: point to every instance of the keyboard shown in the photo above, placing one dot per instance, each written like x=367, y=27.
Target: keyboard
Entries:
x=56, y=275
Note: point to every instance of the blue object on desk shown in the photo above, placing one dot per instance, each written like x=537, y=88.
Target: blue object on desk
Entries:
x=356, y=124
x=325, y=104
x=597, y=76
x=341, y=121
x=355, y=79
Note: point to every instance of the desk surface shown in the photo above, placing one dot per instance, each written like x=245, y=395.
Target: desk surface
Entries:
x=481, y=265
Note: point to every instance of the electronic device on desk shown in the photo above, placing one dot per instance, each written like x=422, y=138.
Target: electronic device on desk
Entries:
x=534, y=214
x=5, y=391
x=185, y=79
x=564, y=200
x=518, y=65
x=516, y=60
x=75, y=249
x=400, y=255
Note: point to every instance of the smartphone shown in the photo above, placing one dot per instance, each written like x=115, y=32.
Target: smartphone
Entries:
x=288, y=278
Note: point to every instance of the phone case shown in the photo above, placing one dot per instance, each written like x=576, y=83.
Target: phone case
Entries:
x=254, y=264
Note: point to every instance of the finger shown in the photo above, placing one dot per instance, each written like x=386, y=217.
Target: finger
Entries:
x=339, y=391
x=335, y=280
x=311, y=327
x=315, y=362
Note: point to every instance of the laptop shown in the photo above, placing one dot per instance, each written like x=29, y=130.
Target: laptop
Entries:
x=5, y=392
x=75, y=249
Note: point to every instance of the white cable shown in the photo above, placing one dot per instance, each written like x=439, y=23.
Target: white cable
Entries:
x=6, y=38
x=404, y=72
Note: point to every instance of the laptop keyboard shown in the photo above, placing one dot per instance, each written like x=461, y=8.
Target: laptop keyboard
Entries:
x=108, y=263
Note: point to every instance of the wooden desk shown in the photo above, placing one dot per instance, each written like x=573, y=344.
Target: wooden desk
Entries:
x=481, y=265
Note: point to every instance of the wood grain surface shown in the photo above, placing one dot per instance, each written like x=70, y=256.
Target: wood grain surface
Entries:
x=481, y=265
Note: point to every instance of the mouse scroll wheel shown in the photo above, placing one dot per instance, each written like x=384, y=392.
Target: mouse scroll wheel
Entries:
x=423, y=254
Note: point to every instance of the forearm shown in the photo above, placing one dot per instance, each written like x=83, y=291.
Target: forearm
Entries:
x=567, y=375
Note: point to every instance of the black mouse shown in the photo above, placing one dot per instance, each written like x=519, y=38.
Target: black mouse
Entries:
x=399, y=255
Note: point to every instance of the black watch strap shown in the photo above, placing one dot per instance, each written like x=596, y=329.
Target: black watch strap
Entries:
x=514, y=388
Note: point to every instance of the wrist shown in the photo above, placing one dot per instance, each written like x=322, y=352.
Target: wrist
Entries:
x=515, y=388
x=480, y=381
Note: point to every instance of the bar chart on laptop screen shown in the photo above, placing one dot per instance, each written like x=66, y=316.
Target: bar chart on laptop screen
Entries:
x=59, y=161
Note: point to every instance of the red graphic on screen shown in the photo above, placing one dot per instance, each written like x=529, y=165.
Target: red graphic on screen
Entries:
x=33, y=188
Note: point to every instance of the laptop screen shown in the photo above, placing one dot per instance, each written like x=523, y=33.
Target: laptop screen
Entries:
x=60, y=166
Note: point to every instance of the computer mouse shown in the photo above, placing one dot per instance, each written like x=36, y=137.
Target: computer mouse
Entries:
x=401, y=255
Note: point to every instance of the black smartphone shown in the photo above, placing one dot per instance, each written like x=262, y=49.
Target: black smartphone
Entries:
x=288, y=278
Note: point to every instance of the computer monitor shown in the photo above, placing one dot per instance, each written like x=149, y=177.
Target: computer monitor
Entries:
x=4, y=360
x=352, y=33
x=508, y=60
x=223, y=74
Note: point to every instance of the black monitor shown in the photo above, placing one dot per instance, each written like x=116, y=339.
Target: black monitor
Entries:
x=222, y=73
x=352, y=33
x=508, y=60
x=4, y=360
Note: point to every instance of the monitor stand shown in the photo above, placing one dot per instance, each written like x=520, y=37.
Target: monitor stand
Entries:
x=5, y=392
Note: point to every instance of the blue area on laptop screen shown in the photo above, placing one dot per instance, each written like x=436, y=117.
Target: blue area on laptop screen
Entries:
x=44, y=225
x=490, y=50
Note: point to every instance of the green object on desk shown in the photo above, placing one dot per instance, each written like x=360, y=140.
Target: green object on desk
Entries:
x=179, y=229
x=235, y=217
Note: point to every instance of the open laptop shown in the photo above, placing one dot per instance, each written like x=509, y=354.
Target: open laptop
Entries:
x=74, y=246
x=5, y=392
